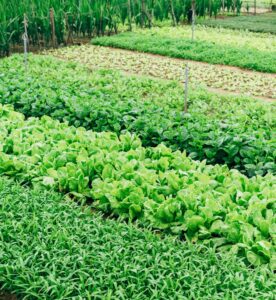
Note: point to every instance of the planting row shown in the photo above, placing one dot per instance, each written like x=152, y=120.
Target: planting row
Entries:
x=239, y=132
x=259, y=23
x=241, y=39
x=164, y=189
x=255, y=54
x=213, y=76
x=53, y=249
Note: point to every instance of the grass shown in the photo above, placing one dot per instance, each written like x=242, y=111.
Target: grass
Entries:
x=51, y=248
x=259, y=23
x=209, y=46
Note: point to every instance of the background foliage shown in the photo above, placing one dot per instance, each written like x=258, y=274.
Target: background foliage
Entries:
x=92, y=17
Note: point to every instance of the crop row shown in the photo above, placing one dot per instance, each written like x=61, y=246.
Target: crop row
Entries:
x=52, y=249
x=225, y=130
x=260, y=23
x=213, y=76
x=171, y=42
x=166, y=190
x=241, y=39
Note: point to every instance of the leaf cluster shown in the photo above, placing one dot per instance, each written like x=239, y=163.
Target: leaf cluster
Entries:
x=198, y=50
x=51, y=248
x=239, y=132
x=163, y=189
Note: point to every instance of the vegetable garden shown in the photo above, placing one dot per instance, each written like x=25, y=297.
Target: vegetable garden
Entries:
x=93, y=258
x=119, y=181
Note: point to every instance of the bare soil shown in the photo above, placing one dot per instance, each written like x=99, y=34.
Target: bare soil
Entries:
x=7, y=296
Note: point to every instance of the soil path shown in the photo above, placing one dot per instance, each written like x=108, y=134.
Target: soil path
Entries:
x=5, y=296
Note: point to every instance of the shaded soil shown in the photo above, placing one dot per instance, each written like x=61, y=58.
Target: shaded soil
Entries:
x=19, y=48
x=7, y=296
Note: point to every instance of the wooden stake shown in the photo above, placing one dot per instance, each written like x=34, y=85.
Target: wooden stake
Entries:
x=53, y=29
x=193, y=20
x=186, y=89
x=69, y=36
x=172, y=12
x=25, y=41
x=143, y=9
x=129, y=15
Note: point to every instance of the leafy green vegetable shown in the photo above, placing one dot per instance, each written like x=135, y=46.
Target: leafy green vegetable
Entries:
x=216, y=46
x=216, y=77
x=239, y=132
x=259, y=23
x=164, y=189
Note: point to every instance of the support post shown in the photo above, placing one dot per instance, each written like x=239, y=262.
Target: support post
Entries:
x=186, y=85
x=193, y=19
x=53, y=29
x=25, y=41
x=129, y=15
x=172, y=12
x=143, y=9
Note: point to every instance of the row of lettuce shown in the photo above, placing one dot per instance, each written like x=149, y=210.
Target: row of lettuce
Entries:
x=163, y=189
x=238, y=132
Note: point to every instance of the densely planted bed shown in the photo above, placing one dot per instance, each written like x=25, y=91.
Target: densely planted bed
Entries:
x=236, y=131
x=164, y=189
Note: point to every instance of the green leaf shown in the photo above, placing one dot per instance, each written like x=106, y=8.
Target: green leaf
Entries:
x=194, y=223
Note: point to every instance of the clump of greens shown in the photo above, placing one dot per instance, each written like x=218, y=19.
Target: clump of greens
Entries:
x=164, y=189
x=53, y=249
x=198, y=50
x=239, y=132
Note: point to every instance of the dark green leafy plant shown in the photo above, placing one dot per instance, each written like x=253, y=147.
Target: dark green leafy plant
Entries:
x=164, y=189
x=239, y=132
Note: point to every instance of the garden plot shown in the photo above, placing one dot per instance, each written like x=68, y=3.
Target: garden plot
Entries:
x=248, y=50
x=51, y=248
x=163, y=189
x=215, y=77
x=237, y=131
x=218, y=36
x=259, y=23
